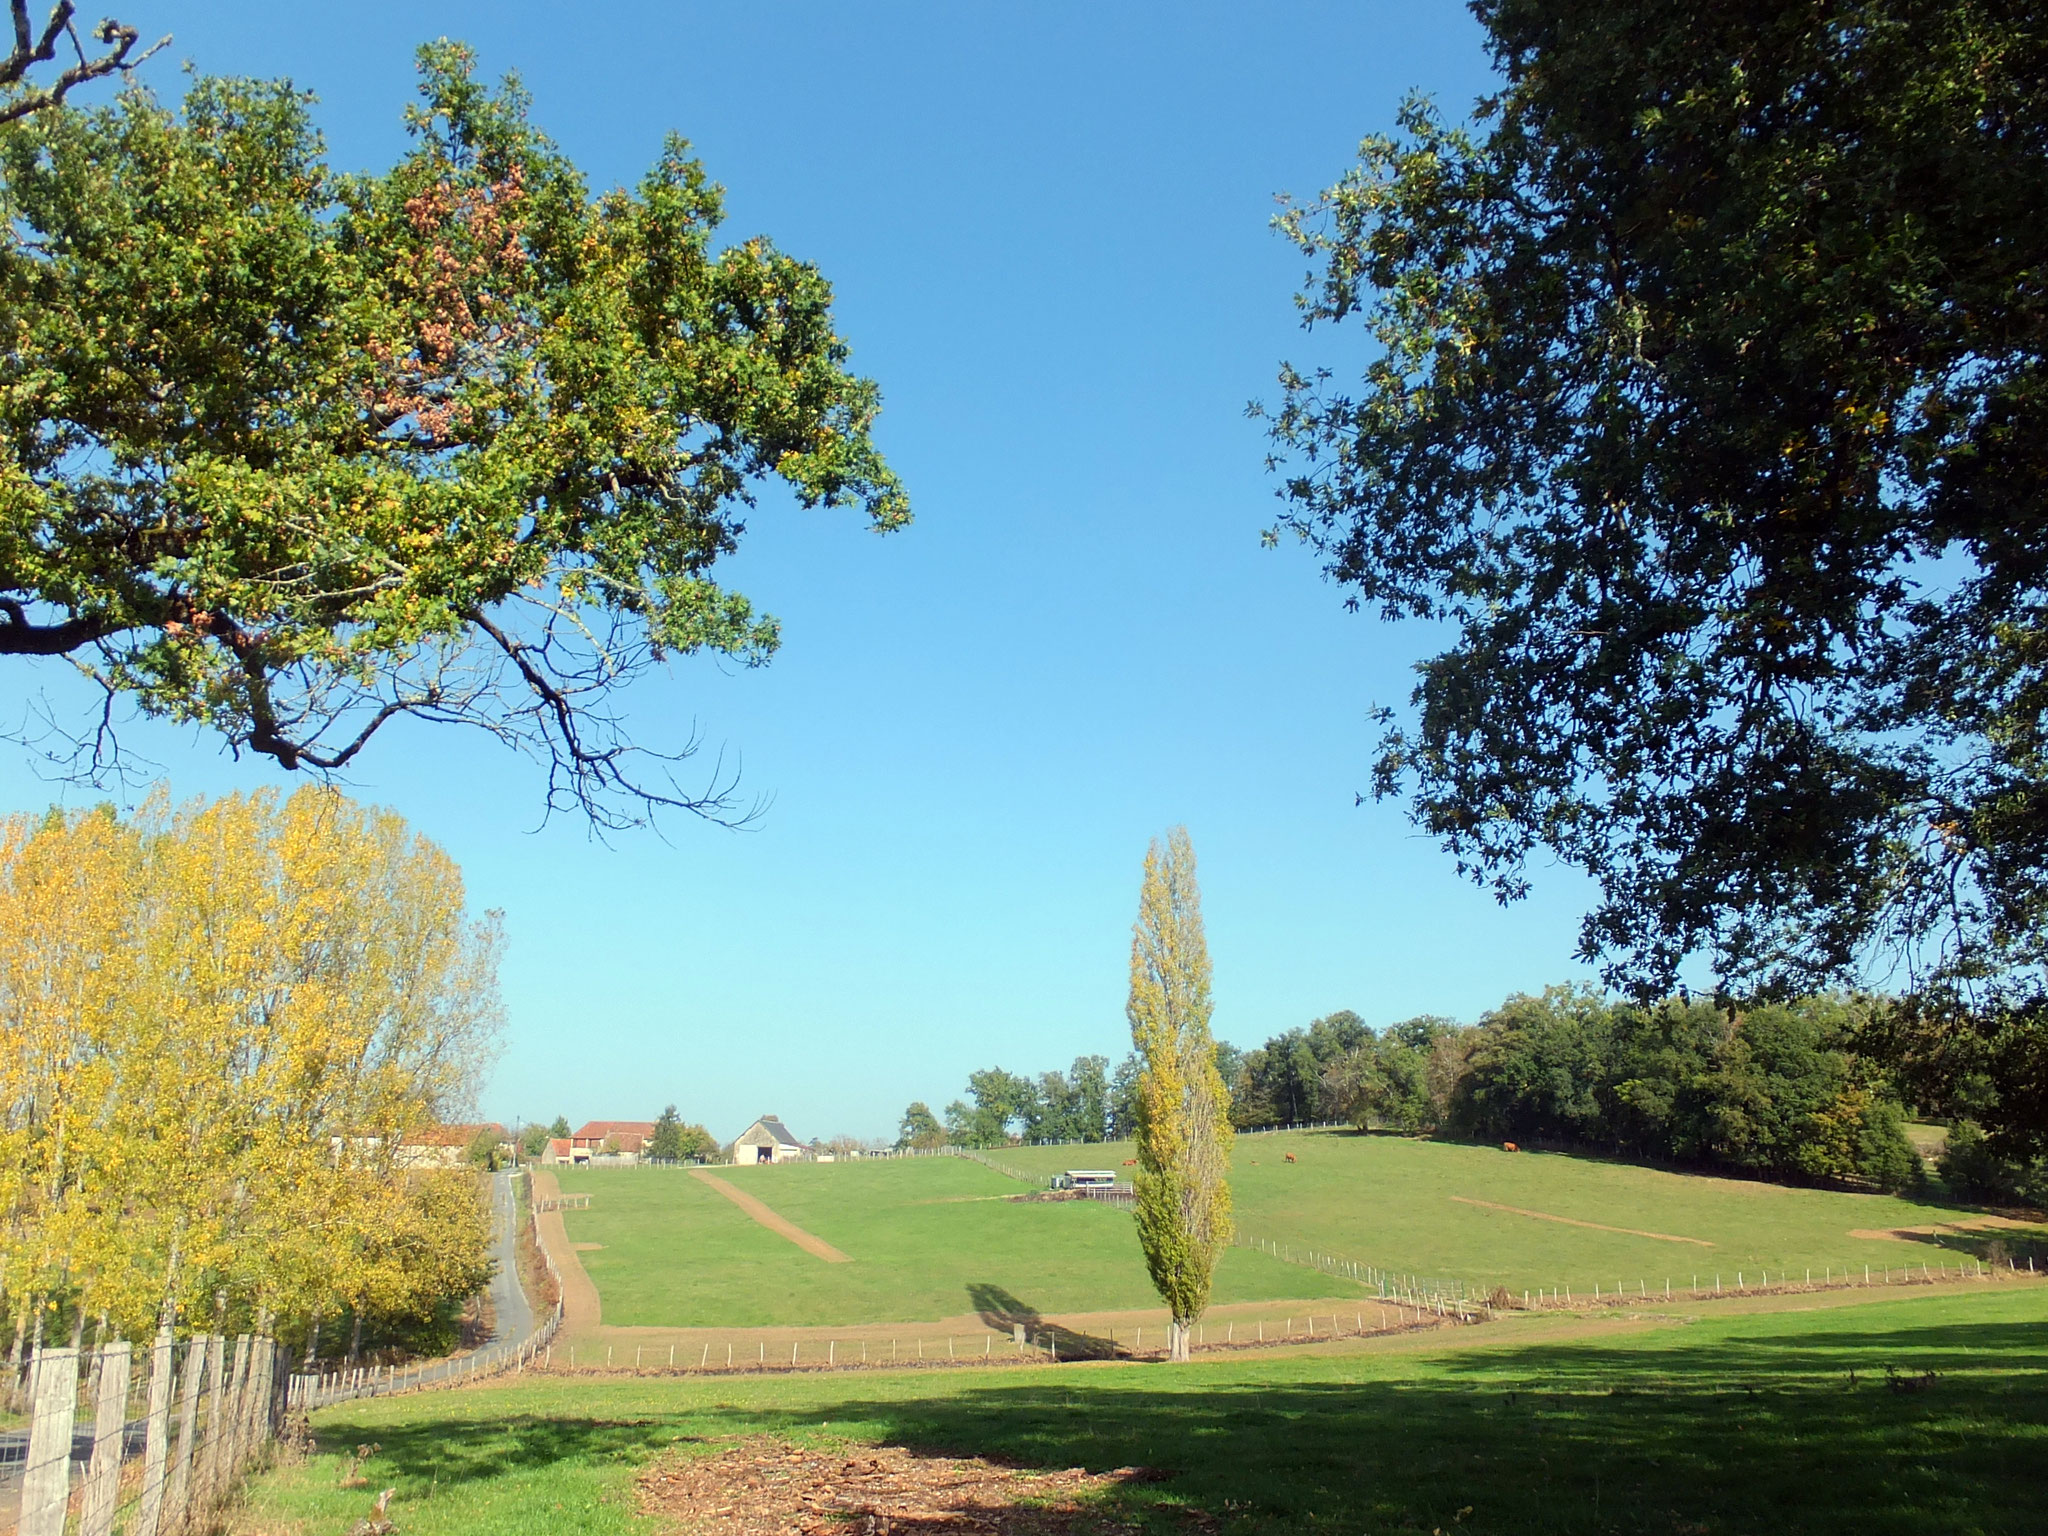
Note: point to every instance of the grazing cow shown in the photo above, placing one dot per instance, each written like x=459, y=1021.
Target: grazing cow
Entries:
x=1290, y=1157
x=1130, y=1162
x=1509, y=1146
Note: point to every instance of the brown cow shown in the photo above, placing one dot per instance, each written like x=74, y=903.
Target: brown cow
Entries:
x=1130, y=1162
x=1509, y=1146
x=1290, y=1157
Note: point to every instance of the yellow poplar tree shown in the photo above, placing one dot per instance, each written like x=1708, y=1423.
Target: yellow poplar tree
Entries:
x=218, y=1023
x=1183, y=1119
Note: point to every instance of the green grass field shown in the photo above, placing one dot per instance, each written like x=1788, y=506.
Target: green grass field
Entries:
x=1401, y=1204
x=1724, y=1418
x=929, y=1238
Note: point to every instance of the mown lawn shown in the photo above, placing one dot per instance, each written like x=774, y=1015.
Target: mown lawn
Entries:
x=929, y=1238
x=1730, y=1418
x=1394, y=1202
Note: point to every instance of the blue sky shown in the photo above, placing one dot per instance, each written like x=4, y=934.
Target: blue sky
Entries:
x=1047, y=229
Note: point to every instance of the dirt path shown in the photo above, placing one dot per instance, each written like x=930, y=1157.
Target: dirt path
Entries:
x=582, y=1312
x=1516, y=1210
x=781, y=1226
x=1943, y=1229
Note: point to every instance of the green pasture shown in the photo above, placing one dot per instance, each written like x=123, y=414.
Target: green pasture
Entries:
x=929, y=1238
x=1394, y=1202
x=1713, y=1420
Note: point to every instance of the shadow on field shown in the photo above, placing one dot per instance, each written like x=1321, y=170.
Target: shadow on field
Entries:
x=1002, y=1311
x=1751, y=1434
x=1809, y=1359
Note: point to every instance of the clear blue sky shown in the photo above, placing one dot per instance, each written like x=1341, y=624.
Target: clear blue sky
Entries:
x=1047, y=228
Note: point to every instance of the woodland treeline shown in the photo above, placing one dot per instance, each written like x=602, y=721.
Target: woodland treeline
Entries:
x=218, y=1024
x=1812, y=1090
x=1776, y=1091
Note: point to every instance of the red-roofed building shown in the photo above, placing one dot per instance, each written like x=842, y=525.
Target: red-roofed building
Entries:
x=599, y=1136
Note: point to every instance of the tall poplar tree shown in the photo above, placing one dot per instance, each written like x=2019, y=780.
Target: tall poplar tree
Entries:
x=1183, y=1111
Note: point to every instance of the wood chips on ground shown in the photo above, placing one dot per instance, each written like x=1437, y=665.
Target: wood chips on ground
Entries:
x=762, y=1486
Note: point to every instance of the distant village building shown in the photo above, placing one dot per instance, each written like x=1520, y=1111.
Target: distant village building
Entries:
x=767, y=1140
x=627, y=1139
x=560, y=1149
x=445, y=1146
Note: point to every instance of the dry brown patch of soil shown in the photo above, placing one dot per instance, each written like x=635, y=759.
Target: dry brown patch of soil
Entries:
x=1572, y=1221
x=768, y=1217
x=1938, y=1229
x=586, y=1247
x=762, y=1486
x=582, y=1313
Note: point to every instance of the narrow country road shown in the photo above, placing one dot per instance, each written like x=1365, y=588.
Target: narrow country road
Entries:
x=511, y=1312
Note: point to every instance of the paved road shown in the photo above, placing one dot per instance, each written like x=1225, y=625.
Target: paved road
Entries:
x=511, y=1313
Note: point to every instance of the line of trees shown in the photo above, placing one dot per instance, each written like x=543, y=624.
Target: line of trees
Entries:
x=219, y=1022
x=1778, y=1090
x=1089, y=1101
x=1782, y=1091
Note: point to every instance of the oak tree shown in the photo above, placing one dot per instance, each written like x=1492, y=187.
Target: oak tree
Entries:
x=290, y=453
x=1707, y=415
x=920, y=1128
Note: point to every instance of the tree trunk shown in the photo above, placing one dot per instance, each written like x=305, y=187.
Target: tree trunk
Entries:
x=1179, y=1334
x=312, y=1344
x=355, y=1340
x=17, y=1362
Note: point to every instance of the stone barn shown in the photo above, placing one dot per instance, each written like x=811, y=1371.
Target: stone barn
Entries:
x=767, y=1140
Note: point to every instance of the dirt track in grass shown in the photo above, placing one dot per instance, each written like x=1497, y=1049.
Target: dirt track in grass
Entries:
x=1572, y=1221
x=582, y=1312
x=766, y=1215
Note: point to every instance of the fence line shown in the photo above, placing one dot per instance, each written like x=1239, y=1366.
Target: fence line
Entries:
x=324, y=1389
x=1038, y=1342
x=1454, y=1298
x=74, y=1467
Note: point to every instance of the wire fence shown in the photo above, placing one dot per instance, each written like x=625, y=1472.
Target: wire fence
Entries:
x=1036, y=1341
x=144, y=1444
x=323, y=1389
x=1468, y=1302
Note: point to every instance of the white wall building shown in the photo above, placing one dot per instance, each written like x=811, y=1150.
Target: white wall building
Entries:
x=767, y=1140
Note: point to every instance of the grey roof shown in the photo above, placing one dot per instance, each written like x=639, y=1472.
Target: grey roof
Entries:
x=774, y=1127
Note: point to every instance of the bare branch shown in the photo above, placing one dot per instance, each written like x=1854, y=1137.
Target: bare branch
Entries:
x=29, y=50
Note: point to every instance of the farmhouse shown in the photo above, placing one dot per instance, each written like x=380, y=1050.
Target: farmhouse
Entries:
x=444, y=1146
x=597, y=1138
x=767, y=1140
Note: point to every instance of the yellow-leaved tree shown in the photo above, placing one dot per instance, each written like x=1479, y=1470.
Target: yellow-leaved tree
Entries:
x=1183, y=1129
x=219, y=1022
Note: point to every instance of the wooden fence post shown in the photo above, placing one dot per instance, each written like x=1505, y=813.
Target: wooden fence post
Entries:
x=205, y=1489
x=158, y=1441
x=231, y=1424
x=179, y=1492
x=255, y=1425
x=46, y=1480
x=109, y=1432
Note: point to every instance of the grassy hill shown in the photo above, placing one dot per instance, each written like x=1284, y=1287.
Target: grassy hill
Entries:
x=1730, y=1417
x=1409, y=1205
x=928, y=1237
x=934, y=1237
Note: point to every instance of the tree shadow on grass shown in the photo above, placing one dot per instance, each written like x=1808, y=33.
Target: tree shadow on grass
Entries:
x=1750, y=1434
x=1594, y=1440
x=1002, y=1311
